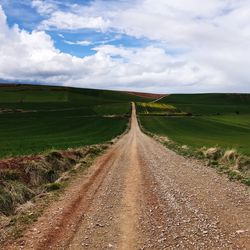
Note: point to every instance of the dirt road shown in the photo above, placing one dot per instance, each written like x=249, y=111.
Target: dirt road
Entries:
x=140, y=195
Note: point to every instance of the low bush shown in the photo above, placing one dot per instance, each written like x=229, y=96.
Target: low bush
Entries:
x=29, y=176
x=213, y=153
x=243, y=164
x=36, y=172
x=235, y=175
x=9, y=174
x=229, y=162
x=246, y=181
x=53, y=186
x=13, y=193
x=230, y=155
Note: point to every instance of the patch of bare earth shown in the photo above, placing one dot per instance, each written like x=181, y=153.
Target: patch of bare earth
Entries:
x=147, y=95
x=140, y=195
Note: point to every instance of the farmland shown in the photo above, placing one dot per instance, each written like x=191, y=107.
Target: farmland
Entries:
x=225, y=131
x=121, y=175
x=218, y=120
x=210, y=104
x=155, y=108
x=38, y=118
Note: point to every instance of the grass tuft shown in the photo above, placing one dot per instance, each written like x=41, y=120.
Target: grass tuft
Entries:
x=53, y=186
x=9, y=174
x=13, y=193
x=243, y=164
x=213, y=153
x=230, y=156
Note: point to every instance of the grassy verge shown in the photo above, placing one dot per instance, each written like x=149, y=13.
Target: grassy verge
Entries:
x=235, y=165
x=28, y=187
x=28, y=184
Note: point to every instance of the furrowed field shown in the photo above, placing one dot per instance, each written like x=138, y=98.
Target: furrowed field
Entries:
x=221, y=120
x=38, y=118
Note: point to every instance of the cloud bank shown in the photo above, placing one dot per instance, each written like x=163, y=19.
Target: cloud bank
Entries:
x=195, y=46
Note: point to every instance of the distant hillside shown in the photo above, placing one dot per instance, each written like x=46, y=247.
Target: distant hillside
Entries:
x=210, y=103
x=36, y=118
x=40, y=96
x=147, y=95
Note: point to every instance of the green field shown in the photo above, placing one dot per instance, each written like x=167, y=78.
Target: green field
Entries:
x=229, y=131
x=210, y=104
x=31, y=97
x=218, y=120
x=37, y=118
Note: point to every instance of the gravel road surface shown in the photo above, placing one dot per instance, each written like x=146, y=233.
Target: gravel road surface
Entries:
x=141, y=195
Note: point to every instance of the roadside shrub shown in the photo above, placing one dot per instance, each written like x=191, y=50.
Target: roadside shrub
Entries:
x=213, y=163
x=199, y=153
x=234, y=175
x=212, y=153
x=19, y=191
x=6, y=202
x=54, y=155
x=11, y=194
x=230, y=155
x=18, y=185
x=79, y=153
x=53, y=186
x=95, y=150
x=51, y=175
x=36, y=172
x=9, y=174
x=246, y=181
x=243, y=164
x=57, y=161
x=184, y=147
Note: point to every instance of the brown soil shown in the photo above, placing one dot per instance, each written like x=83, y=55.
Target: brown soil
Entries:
x=147, y=95
x=140, y=195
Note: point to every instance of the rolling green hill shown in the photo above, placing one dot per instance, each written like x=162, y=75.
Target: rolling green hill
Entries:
x=229, y=131
x=51, y=97
x=38, y=118
x=218, y=120
x=210, y=104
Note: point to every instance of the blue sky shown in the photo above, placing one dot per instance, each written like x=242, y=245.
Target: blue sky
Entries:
x=163, y=46
x=27, y=17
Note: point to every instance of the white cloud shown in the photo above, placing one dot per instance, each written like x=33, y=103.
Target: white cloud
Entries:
x=82, y=43
x=44, y=7
x=24, y=58
x=212, y=40
x=71, y=21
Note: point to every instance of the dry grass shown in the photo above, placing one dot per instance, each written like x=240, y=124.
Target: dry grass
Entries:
x=230, y=162
x=19, y=183
x=243, y=164
x=23, y=200
x=230, y=155
x=13, y=193
x=213, y=153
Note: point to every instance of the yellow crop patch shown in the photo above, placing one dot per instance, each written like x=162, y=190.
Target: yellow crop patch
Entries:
x=160, y=106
